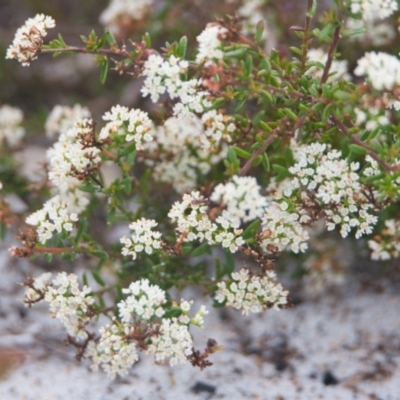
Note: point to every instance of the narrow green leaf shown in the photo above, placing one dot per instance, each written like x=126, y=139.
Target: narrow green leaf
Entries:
x=81, y=229
x=202, y=249
x=147, y=39
x=356, y=149
x=97, y=277
x=241, y=153
x=296, y=50
x=182, y=47
x=85, y=279
x=265, y=63
x=104, y=70
x=240, y=105
x=259, y=31
x=265, y=127
x=251, y=230
x=311, y=13
x=265, y=162
x=232, y=155
x=229, y=265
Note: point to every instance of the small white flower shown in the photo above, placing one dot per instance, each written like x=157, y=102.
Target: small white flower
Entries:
x=28, y=39
x=210, y=43
x=257, y=293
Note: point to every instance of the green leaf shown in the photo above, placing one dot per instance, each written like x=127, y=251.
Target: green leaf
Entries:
x=328, y=111
x=147, y=39
x=182, y=47
x=356, y=149
x=311, y=13
x=202, y=249
x=296, y=50
x=341, y=95
x=352, y=32
x=100, y=254
x=265, y=63
x=265, y=127
x=186, y=249
x=229, y=265
x=103, y=70
x=81, y=229
x=85, y=279
x=280, y=169
x=265, y=162
x=256, y=161
x=97, y=277
x=174, y=312
x=251, y=230
x=88, y=187
x=236, y=53
x=290, y=114
x=232, y=155
x=259, y=31
x=248, y=66
x=241, y=153
x=240, y=105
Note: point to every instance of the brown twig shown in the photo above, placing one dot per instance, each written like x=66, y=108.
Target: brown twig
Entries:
x=261, y=150
x=105, y=52
x=360, y=143
x=306, y=36
x=332, y=49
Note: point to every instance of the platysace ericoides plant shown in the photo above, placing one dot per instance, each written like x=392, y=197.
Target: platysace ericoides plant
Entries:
x=240, y=149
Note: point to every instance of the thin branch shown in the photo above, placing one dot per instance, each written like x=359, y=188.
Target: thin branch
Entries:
x=258, y=152
x=332, y=49
x=360, y=143
x=306, y=35
x=72, y=49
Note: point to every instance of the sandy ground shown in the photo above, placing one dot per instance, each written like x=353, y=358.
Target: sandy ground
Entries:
x=342, y=346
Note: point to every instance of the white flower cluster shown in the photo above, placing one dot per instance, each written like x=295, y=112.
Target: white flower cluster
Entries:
x=67, y=302
x=252, y=293
x=242, y=198
x=372, y=169
x=142, y=316
x=71, y=155
x=176, y=155
x=218, y=128
x=210, y=44
x=386, y=245
x=165, y=76
x=381, y=69
x=55, y=216
x=133, y=124
x=371, y=117
x=374, y=9
x=336, y=186
x=118, y=10
x=39, y=286
x=29, y=38
x=338, y=68
x=378, y=33
x=174, y=342
x=144, y=301
x=193, y=223
x=62, y=118
x=114, y=352
x=143, y=238
x=282, y=229
x=11, y=130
